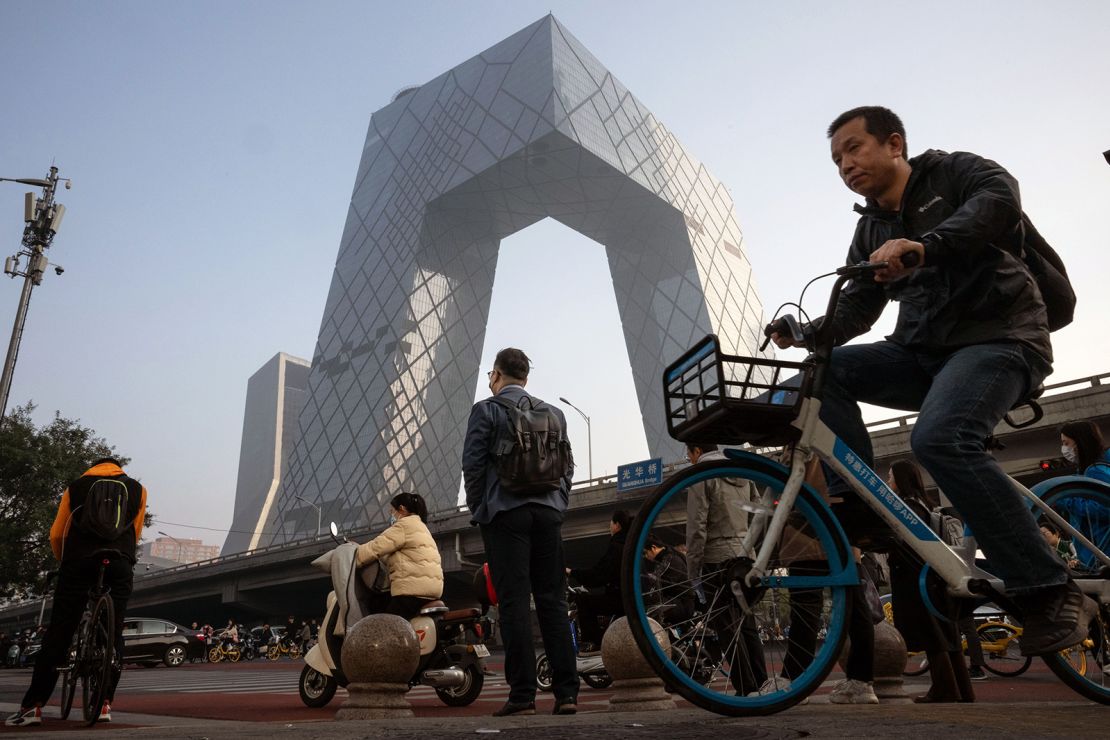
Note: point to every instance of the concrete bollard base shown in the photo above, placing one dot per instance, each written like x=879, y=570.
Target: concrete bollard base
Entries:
x=375, y=701
x=637, y=687
x=380, y=654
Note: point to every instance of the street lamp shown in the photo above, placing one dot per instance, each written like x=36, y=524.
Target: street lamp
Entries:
x=589, y=435
x=314, y=506
x=43, y=217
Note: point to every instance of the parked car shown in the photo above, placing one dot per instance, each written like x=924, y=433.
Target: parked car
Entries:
x=151, y=641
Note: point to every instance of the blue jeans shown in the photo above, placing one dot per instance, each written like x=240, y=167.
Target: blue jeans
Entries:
x=960, y=398
x=524, y=547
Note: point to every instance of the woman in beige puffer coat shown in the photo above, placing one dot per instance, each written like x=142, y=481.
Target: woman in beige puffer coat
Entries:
x=410, y=553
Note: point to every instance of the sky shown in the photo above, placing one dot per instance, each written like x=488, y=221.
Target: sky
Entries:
x=213, y=148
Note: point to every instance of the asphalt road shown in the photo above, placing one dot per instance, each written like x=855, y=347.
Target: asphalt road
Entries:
x=245, y=699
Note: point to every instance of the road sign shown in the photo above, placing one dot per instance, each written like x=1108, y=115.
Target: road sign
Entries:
x=639, y=474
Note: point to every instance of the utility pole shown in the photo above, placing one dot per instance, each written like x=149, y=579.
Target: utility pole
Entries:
x=43, y=217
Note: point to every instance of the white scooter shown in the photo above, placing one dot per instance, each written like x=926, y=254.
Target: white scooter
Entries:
x=448, y=663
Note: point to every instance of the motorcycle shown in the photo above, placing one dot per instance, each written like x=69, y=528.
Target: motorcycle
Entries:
x=450, y=664
x=590, y=666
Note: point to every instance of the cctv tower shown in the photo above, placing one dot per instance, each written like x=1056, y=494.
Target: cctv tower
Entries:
x=532, y=128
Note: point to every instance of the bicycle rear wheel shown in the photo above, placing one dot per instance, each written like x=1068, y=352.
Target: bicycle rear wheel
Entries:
x=1001, y=645
x=100, y=655
x=1084, y=668
x=69, y=685
x=716, y=658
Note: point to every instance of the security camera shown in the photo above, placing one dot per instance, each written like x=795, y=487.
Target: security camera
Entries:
x=58, y=269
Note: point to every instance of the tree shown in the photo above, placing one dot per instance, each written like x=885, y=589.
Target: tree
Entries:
x=36, y=464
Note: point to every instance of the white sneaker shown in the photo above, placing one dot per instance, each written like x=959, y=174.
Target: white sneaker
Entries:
x=32, y=716
x=775, y=684
x=851, y=691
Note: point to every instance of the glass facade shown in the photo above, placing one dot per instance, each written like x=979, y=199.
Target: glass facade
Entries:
x=533, y=128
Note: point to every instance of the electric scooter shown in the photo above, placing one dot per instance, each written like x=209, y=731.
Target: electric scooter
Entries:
x=450, y=664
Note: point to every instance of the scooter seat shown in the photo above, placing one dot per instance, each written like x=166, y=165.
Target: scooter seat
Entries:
x=433, y=607
x=460, y=615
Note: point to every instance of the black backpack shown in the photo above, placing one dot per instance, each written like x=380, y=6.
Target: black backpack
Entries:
x=531, y=453
x=104, y=513
x=1052, y=277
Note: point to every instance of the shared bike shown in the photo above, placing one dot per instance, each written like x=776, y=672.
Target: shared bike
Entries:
x=93, y=656
x=799, y=569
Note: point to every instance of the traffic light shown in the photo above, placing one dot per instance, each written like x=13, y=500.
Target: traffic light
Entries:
x=1056, y=464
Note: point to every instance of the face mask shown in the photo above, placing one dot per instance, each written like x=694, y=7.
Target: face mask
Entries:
x=392, y=520
x=1068, y=453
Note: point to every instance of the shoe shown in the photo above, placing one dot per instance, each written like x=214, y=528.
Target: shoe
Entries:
x=568, y=706
x=1055, y=618
x=513, y=708
x=926, y=699
x=976, y=673
x=775, y=684
x=25, y=718
x=105, y=713
x=851, y=691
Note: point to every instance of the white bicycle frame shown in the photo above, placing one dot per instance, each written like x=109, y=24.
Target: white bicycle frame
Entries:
x=955, y=566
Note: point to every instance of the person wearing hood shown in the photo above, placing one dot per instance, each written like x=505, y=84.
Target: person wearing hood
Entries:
x=971, y=342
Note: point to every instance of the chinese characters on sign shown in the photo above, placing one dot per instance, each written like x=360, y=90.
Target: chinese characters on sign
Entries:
x=639, y=474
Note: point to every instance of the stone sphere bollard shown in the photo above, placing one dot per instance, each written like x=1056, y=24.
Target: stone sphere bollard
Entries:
x=380, y=654
x=636, y=687
x=888, y=663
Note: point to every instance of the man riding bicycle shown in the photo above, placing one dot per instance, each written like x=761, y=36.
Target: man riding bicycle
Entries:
x=77, y=538
x=971, y=342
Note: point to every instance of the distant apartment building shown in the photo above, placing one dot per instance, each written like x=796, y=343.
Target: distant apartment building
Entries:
x=179, y=550
x=276, y=394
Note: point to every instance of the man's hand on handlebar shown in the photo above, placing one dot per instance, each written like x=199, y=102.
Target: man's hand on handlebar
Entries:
x=785, y=342
x=894, y=252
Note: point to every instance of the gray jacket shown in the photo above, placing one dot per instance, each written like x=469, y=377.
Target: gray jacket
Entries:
x=715, y=523
x=484, y=496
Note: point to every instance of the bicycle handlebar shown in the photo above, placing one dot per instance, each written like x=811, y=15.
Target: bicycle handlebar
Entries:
x=788, y=324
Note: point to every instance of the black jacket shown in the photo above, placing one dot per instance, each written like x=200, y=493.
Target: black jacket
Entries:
x=974, y=287
x=607, y=571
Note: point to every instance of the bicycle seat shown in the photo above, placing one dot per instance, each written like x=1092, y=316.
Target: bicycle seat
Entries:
x=107, y=552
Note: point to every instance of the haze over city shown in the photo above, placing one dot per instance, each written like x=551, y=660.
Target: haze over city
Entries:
x=213, y=148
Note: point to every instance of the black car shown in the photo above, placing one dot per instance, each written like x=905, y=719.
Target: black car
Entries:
x=152, y=641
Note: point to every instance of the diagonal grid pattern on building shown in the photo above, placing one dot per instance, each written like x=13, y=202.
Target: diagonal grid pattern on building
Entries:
x=535, y=127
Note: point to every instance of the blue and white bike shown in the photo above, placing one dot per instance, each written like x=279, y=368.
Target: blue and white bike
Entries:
x=800, y=573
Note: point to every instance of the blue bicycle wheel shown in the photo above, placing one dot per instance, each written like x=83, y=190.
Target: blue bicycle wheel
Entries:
x=1085, y=503
x=731, y=647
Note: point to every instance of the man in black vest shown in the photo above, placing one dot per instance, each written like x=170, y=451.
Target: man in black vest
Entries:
x=524, y=544
x=75, y=548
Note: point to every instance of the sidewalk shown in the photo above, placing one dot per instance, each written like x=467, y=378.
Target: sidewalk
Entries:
x=817, y=720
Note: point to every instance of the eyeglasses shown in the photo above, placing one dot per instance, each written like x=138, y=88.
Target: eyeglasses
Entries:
x=489, y=375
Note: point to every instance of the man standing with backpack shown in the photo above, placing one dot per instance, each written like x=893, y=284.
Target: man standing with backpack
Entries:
x=517, y=469
x=102, y=510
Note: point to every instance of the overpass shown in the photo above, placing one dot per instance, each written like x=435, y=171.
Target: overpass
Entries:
x=272, y=582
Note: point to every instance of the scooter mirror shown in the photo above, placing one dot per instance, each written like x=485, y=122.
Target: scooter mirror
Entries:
x=334, y=529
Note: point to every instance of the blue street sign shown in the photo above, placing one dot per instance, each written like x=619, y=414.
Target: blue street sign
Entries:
x=639, y=474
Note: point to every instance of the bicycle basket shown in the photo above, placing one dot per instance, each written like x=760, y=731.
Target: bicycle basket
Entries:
x=728, y=399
